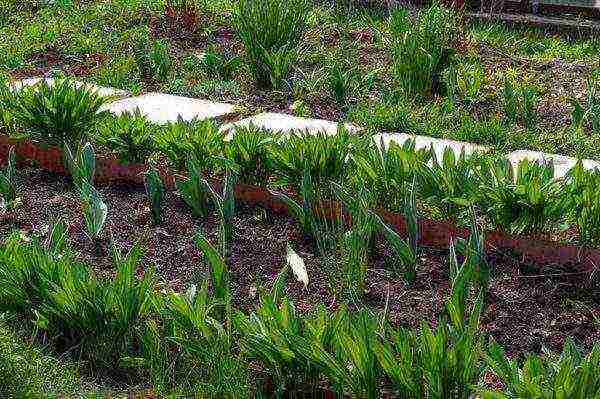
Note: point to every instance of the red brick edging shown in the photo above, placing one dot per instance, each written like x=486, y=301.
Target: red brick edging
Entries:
x=433, y=233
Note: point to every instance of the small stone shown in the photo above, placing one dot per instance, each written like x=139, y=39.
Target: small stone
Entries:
x=562, y=164
x=102, y=91
x=425, y=142
x=165, y=108
x=285, y=124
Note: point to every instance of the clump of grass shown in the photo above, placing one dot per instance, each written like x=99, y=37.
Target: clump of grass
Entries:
x=59, y=114
x=249, y=149
x=221, y=64
x=129, y=136
x=421, y=50
x=389, y=114
x=520, y=102
x=271, y=31
x=587, y=114
x=182, y=140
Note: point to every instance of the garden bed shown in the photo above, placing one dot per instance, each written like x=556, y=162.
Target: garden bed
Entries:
x=529, y=308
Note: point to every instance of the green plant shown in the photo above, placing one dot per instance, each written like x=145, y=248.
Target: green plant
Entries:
x=271, y=31
x=588, y=112
x=450, y=184
x=324, y=156
x=444, y=362
x=249, y=149
x=224, y=203
x=353, y=345
x=523, y=201
x=385, y=113
x=155, y=190
x=222, y=65
x=421, y=50
x=357, y=242
x=584, y=201
x=58, y=114
x=183, y=140
x=340, y=79
x=129, y=136
x=388, y=170
x=219, y=271
x=548, y=376
x=99, y=318
x=466, y=81
x=95, y=210
x=208, y=358
x=160, y=60
x=192, y=189
x=305, y=211
x=81, y=164
x=28, y=270
x=520, y=102
x=8, y=183
x=269, y=334
x=473, y=250
x=405, y=251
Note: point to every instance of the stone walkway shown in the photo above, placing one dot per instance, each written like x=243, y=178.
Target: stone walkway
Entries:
x=164, y=108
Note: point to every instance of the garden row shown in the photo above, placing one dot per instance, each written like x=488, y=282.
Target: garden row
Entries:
x=524, y=198
x=196, y=343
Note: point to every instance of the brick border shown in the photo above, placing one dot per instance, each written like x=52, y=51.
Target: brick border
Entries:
x=434, y=233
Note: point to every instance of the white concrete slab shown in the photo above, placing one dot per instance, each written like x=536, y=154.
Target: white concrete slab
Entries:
x=164, y=108
x=562, y=164
x=282, y=123
x=425, y=142
x=100, y=90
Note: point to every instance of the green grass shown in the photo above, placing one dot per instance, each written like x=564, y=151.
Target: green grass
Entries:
x=26, y=371
x=134, y=45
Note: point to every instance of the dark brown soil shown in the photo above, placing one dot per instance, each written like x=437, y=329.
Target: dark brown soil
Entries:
x=525, y=311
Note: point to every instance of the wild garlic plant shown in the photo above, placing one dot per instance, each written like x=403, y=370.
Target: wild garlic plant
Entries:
x=95, y=210
x=444, y=362
x=448, y=183
x=321, y=226
x=569, y=374
x=8, y=182
x=155, y=191
x=81, y=163
x=224, y=204
x=587, y=114
x=192, y=189
x=405, y=252
x=58, y=113
x=523, y=200
x=358, y=238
